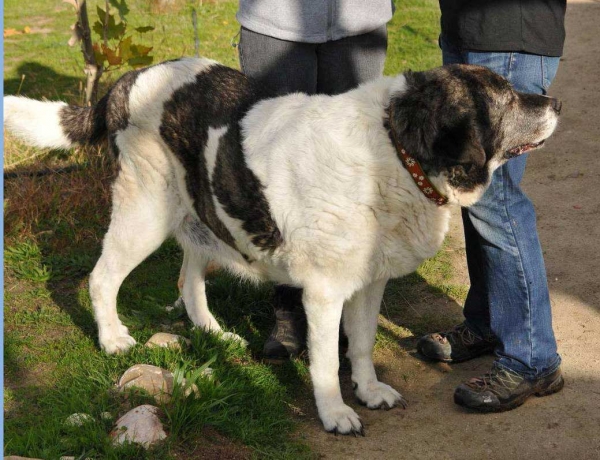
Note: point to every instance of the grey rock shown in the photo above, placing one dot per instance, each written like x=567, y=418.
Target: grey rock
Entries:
x=155, y=381
x=16, y=457
x=164, y=339
x=140, y=425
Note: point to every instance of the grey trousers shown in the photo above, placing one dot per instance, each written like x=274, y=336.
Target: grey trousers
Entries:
x=314, y=68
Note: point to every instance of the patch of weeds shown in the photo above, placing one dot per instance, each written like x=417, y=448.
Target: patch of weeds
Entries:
x=9, y=399
x=38, y=293
x=25, y=260
x=247, y=398
x=191, y=386
x=48, y=315
x=70, y=265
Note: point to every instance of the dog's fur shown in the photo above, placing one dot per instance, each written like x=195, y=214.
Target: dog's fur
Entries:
x=303, y=190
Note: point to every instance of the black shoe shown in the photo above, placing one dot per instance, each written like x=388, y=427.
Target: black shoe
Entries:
x=502, y=390
x=459, y=344
x=288, y=337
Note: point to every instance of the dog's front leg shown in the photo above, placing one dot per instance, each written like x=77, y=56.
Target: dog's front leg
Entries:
x=360, y=324
x=323, y=314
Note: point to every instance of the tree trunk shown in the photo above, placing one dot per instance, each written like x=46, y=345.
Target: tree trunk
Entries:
x=92, y=69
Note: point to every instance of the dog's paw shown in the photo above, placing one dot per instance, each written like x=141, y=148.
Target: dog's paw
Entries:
x=118, y=344
x=123, y=331
x=378, y=395
x=341, y=419
x=232, y=336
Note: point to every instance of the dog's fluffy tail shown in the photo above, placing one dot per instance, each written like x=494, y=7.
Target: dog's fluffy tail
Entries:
x=54, y=125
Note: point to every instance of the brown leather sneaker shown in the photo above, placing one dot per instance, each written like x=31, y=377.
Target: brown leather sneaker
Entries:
x=503, y=390
x=457, y=345
x=288, y=337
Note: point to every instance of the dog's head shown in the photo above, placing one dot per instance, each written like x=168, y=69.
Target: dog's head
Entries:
x=461, y=122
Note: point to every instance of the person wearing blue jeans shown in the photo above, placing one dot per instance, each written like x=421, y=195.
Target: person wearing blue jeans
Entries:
x=507, y=309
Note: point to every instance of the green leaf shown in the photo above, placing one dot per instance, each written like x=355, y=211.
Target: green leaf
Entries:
x=97, y=27
x=125, y=49
x=140, y=61
x=144, y=29
x=101, y=14
x=141, y=50
x=121, y=7
x=114, y=30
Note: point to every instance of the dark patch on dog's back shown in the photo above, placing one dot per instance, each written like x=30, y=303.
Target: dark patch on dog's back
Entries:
x=118, y=107
x=240, y=192
x=219, y=97
x=118, y=102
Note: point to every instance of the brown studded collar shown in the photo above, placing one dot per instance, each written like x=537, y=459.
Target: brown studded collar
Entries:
x=418, y=175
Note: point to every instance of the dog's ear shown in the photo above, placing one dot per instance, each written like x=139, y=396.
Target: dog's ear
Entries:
x=457, y=142
x=431, y=127
x=412, y=112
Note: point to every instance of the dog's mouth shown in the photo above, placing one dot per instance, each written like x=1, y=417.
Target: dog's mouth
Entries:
x=521, y=149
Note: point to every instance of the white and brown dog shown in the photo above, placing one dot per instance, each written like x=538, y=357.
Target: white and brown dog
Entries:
x=332, y=194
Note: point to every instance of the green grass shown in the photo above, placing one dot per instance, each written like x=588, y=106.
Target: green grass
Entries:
x=53, y=230
x=54, y=368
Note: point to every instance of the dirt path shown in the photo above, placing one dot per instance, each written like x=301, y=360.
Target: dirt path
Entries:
x=562, y=180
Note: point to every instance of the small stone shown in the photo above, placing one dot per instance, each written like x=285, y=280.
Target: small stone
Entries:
x=16, y=457
x=140, y=425
x=208, y=373
x=166, y=340
x=78, y=419
x=179, y=304
x=155, y=381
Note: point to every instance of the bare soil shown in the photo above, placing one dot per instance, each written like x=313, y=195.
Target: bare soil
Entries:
x=563, y=181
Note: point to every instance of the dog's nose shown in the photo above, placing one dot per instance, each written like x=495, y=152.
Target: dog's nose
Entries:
x=556, y=105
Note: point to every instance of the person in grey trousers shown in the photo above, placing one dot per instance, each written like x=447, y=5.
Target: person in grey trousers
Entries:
x=313, y=47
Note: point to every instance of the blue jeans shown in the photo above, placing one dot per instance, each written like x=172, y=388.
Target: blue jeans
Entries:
x=509, y=296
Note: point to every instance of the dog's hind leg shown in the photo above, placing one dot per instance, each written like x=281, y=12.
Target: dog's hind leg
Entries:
x=360, y=324
x=194, y=293
x=142, y=217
